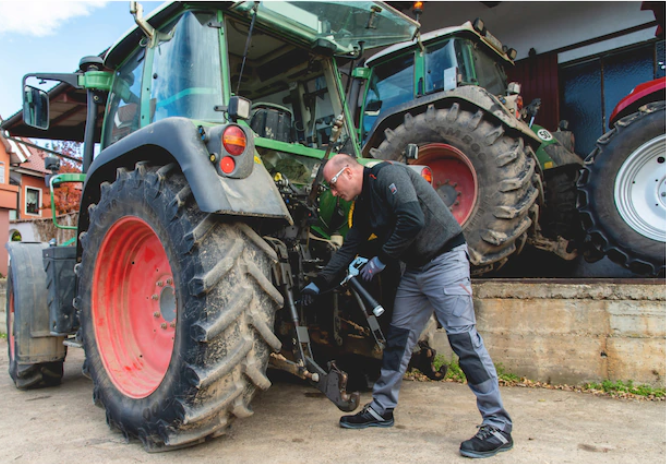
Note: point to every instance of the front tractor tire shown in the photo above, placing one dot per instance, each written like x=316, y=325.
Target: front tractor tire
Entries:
x=177, y=309
x=35, y=358
x=622, y=193
x=485, y=177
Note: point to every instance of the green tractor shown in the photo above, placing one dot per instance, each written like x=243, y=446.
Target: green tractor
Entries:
x=443, y=100
x=202, y=217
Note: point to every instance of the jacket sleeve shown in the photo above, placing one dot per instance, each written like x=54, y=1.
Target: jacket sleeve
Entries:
x=396, y=188
x=357, y=235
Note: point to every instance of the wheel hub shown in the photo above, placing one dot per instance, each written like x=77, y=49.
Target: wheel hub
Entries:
x=448, y=193
x=134, y=307
x=640, y=189
x=454, y=178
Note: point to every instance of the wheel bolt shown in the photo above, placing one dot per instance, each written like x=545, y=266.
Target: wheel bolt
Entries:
x=156, y=314
x=169, y=281
x=163, y=325
x=160, y=283
x=155, y=297
x=173, y=324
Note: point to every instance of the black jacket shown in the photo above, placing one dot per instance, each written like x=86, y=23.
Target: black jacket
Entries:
x=406, y=214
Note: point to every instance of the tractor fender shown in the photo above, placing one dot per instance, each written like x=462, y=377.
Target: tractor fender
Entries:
x=642, y=94
x=552, y=153
x=178, y=140
x=31, y=309
x=477, y=96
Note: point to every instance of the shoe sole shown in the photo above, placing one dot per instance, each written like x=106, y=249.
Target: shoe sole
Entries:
x=381, y=425
x=487, y=454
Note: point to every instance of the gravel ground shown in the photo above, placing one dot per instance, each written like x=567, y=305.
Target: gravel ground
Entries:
x=294, y=424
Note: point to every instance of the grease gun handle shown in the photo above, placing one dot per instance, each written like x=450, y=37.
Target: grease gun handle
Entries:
x=377, y=309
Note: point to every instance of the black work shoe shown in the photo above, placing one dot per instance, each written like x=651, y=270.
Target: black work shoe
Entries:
x=487, y=442
x=368, y=417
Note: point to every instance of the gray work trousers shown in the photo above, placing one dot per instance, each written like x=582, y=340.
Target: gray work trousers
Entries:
x=442, y=285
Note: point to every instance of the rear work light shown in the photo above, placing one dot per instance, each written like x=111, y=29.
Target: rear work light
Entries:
x=234, y=141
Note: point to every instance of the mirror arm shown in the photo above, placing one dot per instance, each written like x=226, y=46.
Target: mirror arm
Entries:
x=68, y=78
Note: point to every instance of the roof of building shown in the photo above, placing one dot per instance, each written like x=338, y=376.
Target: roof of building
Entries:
x=35, y=162
x=24, y=157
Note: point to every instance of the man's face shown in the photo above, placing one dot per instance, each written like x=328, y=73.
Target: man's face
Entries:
x=341, y=184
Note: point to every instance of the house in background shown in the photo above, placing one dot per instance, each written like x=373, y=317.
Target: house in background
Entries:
x=10, y=154
x=23, y=193
x=33, y=194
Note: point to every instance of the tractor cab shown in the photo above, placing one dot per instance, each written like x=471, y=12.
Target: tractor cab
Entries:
x=440, y=61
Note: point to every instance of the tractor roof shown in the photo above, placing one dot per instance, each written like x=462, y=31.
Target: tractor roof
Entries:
x=465, y=29
x=341, y=24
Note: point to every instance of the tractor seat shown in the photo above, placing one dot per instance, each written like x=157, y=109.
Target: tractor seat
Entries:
x=271, y=121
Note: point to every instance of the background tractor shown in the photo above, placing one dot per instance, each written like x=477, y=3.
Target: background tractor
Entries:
x=507, y=181
x=195, y=235
x=622, y=190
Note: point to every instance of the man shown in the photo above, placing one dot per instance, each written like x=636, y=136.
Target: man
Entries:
x=414, y=226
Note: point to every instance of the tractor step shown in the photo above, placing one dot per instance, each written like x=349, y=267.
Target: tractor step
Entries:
x=73, y=342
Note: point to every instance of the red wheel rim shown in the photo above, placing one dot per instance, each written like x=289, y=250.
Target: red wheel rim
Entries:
x=453, y=177
x=134, y=307
x=10, y=324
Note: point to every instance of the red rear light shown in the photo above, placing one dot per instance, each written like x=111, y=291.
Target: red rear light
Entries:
x=426, y=173
x=234, y=141
x=227, y=164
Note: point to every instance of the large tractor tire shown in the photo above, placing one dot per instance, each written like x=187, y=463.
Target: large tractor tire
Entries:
x=35, y=358
x=177, y=309
x=484, y=175
x=560, y=217
x=622, y=193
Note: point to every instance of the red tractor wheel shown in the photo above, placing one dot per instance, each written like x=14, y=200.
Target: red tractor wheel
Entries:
x=454, y=178
x=177, y=310
x=485, y=175
x=134, y=307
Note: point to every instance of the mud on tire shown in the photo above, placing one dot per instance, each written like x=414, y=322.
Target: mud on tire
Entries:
x=503, y=165
x=210, y=358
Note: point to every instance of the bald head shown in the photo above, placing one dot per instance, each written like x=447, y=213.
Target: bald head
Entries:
x=336, y=163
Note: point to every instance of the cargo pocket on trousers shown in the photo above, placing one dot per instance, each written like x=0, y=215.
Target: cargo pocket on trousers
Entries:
x=460, y=299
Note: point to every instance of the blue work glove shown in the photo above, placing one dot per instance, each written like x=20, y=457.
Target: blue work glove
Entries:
x=372, y=268
x=309, y=294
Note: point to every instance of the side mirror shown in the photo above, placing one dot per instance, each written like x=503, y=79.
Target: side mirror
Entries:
x=35, y=107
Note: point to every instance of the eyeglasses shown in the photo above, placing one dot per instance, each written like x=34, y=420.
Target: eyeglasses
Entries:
x=334, y=179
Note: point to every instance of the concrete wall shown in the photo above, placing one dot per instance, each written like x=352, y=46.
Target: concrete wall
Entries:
x=43, y=230
x=566, y=333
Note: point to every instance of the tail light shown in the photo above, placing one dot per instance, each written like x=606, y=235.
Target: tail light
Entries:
x=519, y=106
x=234, y=141
x=227, y=164
x=426, y=173
x=423, y=171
